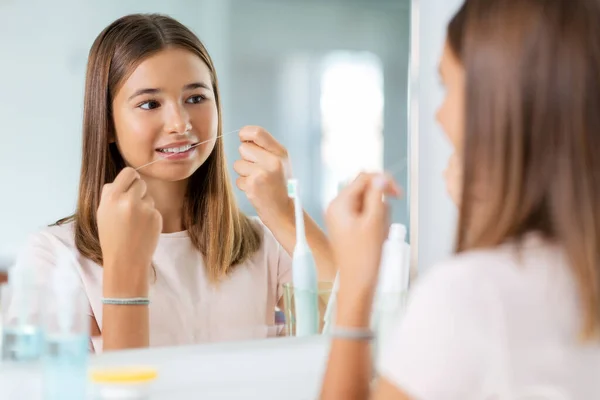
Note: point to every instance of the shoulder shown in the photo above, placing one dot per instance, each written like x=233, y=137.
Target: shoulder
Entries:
x=42, y=246
x=472, y=287
x=41, y=249
x=467, y=281
x=461, y=310
x=272, y=252
x=442, y=336
x=480, y=288
x=504, y=268
x=50, y=237
x=466, y=269
x=461, y=284
x=268, y=241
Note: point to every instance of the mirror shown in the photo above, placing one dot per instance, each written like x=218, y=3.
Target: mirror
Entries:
x=329, y=81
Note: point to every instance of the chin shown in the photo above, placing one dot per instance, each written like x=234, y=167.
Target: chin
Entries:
x=173, y=171
x=174, y=175
x=177, y=168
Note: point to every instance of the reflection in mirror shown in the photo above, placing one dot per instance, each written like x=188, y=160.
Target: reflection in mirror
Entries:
x=309, y=89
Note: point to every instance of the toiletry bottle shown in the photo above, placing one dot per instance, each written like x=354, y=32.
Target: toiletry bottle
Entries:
x=304, y=273
x=21, y=331
x=66, y=333
x=392, y=285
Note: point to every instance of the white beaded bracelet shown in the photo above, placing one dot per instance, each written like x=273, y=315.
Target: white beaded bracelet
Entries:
x=136, y=301
x=352, y=333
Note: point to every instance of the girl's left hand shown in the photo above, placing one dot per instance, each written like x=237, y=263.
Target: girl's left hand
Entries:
x=264, y=169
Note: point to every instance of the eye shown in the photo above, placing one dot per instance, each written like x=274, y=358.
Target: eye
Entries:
x=149, y=105
x=196, y=99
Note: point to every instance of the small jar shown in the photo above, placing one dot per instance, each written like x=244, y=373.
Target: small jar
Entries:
x=123, y=383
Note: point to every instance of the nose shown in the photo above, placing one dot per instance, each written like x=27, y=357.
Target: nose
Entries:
x=178, y=121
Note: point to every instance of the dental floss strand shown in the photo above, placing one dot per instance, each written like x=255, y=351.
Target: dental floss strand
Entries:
x=194, y=146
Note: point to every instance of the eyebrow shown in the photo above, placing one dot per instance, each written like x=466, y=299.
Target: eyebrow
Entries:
x=190, y=86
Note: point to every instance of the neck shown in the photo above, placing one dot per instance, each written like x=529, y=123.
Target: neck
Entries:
x=168, y=200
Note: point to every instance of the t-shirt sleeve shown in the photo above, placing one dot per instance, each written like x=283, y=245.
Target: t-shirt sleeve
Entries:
x=279, y=261
x=438, y=349
x=284, y=269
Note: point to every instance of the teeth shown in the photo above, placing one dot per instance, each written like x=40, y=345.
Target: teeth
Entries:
x=176, y=149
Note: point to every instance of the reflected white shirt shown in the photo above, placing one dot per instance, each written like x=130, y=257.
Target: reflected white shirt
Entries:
x=495, y=324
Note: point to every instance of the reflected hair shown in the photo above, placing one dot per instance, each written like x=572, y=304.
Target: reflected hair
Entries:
x=217, y=228
x=532, y=128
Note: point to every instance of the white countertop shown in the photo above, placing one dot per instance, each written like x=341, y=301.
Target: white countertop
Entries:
x=281, y=368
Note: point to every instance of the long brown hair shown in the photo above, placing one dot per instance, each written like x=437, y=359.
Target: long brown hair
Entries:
x=217, y=228
x=532, y=130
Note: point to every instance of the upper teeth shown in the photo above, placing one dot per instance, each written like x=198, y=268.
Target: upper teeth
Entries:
x=176, y=149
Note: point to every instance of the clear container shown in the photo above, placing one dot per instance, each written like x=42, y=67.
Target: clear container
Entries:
x=65, y=354
x=324, y=290
x=128, y=383
x=20, y=308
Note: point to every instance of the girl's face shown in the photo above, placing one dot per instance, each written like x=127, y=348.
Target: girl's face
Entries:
x=450, y=115
x=165, y=106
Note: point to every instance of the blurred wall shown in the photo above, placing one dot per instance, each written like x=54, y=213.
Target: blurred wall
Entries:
x=44, y=47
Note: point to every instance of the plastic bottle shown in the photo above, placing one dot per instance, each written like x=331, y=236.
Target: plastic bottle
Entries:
x=66, y=333
x=21, y=331
x=394, y=275
x=22, y=337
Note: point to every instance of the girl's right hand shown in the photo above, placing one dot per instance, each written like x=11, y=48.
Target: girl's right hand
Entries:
x=128, y=230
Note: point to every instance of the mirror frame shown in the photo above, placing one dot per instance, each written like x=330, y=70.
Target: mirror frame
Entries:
x=413, y=136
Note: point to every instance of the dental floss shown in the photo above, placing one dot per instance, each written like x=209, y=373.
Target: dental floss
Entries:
x=194, y=146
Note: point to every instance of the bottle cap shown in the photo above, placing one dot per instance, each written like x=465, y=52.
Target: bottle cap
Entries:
x=124, y=375
x=397, y=232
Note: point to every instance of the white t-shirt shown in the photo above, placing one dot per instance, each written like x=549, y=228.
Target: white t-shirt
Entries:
x=186, y=308
x=495, y=324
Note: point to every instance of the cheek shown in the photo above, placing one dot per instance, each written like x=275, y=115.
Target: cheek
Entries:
x=453, y=177
x=205, y=119
x=135, y=134
x=450, y=117
x=458, y=125
x=444, y=117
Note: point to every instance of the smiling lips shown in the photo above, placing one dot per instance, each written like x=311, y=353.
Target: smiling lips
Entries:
x=177, y=151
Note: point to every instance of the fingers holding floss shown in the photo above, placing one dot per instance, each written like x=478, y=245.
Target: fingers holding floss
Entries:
x=386, y=184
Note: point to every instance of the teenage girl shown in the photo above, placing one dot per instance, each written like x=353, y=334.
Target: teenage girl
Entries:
x=515, y=314
x=164, y=254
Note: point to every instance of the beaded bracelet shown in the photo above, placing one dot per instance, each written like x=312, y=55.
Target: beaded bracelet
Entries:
x=352, y=333
x=136, y=301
